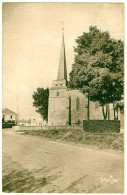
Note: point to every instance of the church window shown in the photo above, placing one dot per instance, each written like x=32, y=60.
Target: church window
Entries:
x=56, y=84
x=11, y=117
x=57, y=94
x=77, y=104
x=96, y=105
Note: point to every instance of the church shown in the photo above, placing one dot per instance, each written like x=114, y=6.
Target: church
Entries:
x=67, y=106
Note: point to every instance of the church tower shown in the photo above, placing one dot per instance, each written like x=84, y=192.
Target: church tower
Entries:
x=62, y=69
x=57, y=112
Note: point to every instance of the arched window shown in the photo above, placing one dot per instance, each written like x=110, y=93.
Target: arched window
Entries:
x=77, y=104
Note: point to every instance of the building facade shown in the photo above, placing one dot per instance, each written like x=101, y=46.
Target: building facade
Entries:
x=9, y=115
x=9, y=118
x=69, y=107
x=31, y=123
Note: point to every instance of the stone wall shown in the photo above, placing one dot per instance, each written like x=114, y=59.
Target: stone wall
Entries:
x=121, y=121
x=81, y=114
x=96, y=113
x=22, y=128
x=57, y=112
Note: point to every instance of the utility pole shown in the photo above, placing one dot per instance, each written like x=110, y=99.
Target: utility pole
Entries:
x=17, y=110
x=30, y=119
x=69, y=110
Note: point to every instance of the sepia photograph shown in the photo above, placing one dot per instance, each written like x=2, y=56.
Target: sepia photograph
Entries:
x=63, y=97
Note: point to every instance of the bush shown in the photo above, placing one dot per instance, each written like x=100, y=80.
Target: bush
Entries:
x=101, y=126
x=100, y=140
x=118, y=144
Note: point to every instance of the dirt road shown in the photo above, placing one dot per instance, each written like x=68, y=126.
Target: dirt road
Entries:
x=34, y=164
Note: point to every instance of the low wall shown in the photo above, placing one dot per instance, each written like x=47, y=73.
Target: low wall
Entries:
x=24, y=128
x=101, y=125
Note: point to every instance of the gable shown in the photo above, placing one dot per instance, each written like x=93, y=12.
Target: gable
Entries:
x=7, y=111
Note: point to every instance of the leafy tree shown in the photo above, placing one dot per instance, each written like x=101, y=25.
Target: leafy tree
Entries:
x=41, y=102
x=98, y=69
x=120, y=105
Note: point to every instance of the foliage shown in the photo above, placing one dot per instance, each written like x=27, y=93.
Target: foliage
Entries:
x=41, y=102
x=106, y=140
x=98, y=67
x=101, y=126
x=119, y=104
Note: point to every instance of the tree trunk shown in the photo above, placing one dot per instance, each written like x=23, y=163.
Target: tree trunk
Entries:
x=108, y=112
x=103, y=111
x=115, y=113
x=88, y=110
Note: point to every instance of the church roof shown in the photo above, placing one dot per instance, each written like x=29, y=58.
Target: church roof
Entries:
x=7, y=111
x=62, y=70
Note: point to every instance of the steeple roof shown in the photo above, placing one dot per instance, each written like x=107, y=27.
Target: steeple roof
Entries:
x=62, y=70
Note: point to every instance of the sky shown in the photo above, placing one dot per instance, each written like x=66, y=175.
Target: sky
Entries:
x=31, y=41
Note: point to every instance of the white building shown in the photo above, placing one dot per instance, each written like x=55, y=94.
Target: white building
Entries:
x=9, y=116
x=31, y=123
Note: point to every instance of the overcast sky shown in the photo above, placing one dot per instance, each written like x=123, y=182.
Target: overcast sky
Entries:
x=32, y=40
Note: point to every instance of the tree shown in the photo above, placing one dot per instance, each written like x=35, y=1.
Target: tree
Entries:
x=118, y=105
x=98, y=69
x=41, y=102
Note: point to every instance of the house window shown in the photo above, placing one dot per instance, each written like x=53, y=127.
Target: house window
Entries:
x=11, y=117
x=97, y=105
x=57, y=94
x=77, y=104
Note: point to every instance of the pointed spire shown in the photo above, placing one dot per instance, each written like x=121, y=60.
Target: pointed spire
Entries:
x=62, y=71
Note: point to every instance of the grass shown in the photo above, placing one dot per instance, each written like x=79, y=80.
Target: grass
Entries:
x=113, y=141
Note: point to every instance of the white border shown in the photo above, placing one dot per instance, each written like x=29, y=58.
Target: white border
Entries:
x=58, y=1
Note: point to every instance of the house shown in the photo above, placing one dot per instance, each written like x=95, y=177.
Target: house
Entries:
x=9, y=118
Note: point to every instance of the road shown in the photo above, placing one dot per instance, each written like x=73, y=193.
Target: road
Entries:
x=34, y=164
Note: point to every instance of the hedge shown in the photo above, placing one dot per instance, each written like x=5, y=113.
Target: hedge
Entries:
x=8, y=125
x=101, y=126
